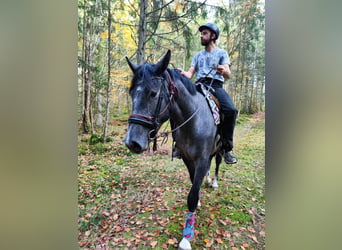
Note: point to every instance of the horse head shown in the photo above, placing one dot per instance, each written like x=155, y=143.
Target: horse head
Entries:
x=150, y=96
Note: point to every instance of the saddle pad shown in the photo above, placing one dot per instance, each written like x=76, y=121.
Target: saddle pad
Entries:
x=212, y=104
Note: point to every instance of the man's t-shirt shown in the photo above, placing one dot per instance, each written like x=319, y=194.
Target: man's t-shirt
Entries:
x=205, y=63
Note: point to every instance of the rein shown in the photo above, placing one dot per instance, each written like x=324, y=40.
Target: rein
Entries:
x=165, y=134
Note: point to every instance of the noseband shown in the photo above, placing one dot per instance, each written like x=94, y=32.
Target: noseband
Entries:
x=153, y=122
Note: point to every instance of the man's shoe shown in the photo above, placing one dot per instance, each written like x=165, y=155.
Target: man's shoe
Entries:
x=229, y=159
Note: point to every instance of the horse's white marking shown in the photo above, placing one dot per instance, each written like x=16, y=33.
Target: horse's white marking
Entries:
x=208, y=180
x=215, y=184
x=184, y=245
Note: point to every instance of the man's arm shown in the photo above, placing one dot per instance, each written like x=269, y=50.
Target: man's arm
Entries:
x=224, y=71
x=188, y=74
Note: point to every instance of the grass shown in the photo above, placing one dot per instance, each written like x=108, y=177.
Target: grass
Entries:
x=139, y=201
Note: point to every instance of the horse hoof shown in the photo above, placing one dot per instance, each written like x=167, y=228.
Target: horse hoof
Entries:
x=215, y=187
x=198, y=204
x=184, y=245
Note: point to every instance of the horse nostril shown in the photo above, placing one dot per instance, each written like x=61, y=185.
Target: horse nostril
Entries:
x=134, y=147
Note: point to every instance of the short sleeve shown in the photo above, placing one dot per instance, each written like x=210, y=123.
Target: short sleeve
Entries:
x=224, y=57
x=194, y=61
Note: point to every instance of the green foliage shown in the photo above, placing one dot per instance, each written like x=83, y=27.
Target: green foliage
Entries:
x=82, y=149
x=94, y=139
x=99, y=148
x=240, y=217
x=242, y=118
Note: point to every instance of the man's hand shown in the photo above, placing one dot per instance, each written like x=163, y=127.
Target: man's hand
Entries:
x=223, y=70
x=220, y=69
x=188, y=74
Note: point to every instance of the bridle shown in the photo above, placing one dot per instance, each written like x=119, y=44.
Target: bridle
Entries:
x=153, y=122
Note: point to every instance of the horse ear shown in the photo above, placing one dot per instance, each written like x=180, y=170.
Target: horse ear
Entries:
x=132, y=65
x=161, y=66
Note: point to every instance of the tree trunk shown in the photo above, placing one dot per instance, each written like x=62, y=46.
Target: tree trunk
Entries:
x=98, y=114
x=142, y=32
x=105, y=129
x=262, y=94
x=86, y=120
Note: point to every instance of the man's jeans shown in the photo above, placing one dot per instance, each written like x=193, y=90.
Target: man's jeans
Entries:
x=229, y=111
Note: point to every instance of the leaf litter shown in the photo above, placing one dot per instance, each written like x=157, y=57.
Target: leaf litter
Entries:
x=139, y=201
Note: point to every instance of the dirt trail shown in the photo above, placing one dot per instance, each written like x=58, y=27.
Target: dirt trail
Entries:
x=243, y=129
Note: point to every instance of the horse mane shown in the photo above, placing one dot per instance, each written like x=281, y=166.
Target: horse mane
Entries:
x=145, y=72
x=188, y=84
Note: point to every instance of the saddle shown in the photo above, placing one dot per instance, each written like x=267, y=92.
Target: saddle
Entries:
x=211, y=100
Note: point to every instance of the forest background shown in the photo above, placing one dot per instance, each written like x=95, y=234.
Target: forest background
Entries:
x=39, y=73
x=144, y=30
x=117, y=209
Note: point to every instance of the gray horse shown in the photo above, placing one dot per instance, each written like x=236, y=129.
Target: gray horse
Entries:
x=159, y=94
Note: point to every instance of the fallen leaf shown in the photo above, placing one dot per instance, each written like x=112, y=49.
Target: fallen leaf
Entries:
x=251, y=229
x=208, y=242
x=253, y=237
x=153, y=244
x=115, y=217
x=227, y=235
x=223, y=222
x=219, y=240
x=219, y=231
x=170, y=242
x=105, y=213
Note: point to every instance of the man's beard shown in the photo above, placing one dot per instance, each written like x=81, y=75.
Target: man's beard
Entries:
x=205, y=42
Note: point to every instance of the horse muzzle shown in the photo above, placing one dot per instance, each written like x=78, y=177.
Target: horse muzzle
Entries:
x=137, y=138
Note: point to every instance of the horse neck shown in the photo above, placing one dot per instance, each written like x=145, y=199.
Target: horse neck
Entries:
x=184, y=105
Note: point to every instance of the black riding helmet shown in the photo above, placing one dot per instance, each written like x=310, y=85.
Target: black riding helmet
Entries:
x=211, y=26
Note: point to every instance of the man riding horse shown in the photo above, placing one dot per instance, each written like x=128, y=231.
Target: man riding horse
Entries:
x=211, y=66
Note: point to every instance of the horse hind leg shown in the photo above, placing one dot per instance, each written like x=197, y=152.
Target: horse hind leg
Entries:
x=218, y=160
x=208, y=180
x=199, y=200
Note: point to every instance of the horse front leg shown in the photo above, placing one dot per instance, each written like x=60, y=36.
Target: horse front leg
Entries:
x=193, y=199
